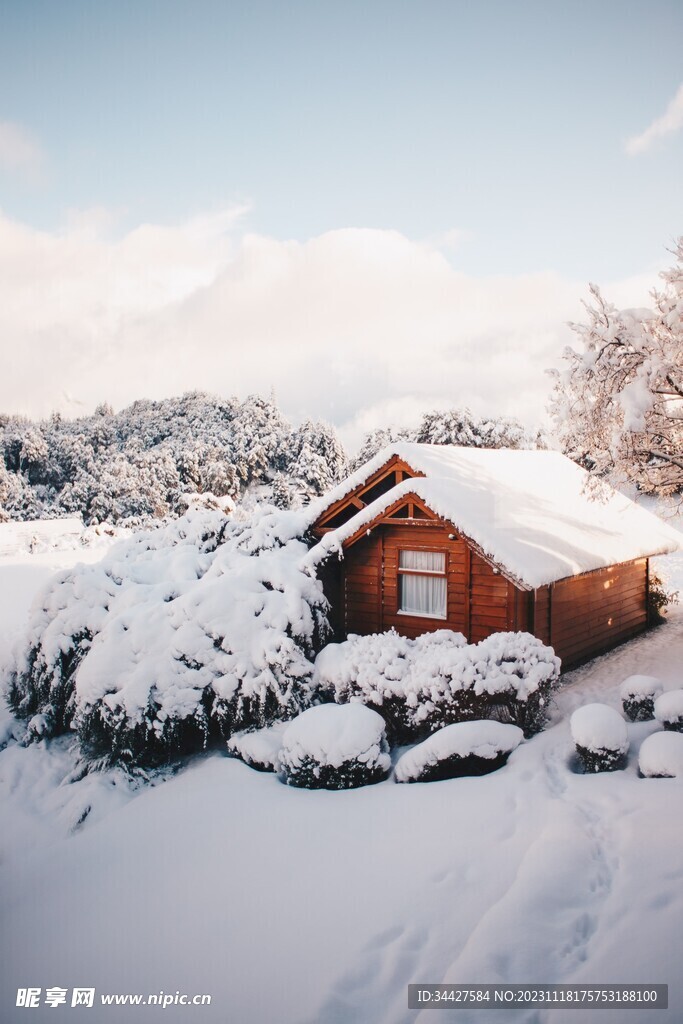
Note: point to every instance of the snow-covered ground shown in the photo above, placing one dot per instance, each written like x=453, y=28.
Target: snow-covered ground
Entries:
x=290, y=905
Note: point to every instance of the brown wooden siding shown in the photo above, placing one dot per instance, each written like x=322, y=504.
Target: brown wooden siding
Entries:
x=490, y=593
x=362, y=586
x=541, y=614
x=591, y=613
x=480, y=601
x=580, y=617
x=430, y=537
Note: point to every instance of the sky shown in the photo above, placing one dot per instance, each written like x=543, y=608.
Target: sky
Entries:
x=375, y=208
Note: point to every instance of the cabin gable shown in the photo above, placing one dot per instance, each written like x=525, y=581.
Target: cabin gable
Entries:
x=410, y=570
x=392, y=473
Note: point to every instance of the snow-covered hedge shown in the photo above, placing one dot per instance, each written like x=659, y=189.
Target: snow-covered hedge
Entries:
x=204, y=627
x=638, y=694
x=601, y=738
x=259, y=748
x=465, y=748
x=335, y=746
x=661, y=756
x=669, y=710
x=421, y=685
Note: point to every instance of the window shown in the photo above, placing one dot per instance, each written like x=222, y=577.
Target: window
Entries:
x=422, y=583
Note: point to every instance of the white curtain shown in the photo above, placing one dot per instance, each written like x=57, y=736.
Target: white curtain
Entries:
x=424, y=561
x=423, y=595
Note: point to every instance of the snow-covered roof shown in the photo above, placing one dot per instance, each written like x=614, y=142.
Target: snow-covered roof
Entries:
x=536, y=514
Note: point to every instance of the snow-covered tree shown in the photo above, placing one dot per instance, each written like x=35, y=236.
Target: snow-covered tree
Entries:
x=451, y=426
x=136, y=465
x=316, y=459
x=460, y=427
x=374, y=441
x=186, y=633
x=618, y=404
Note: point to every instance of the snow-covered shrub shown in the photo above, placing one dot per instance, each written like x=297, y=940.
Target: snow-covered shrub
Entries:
x=465, y=748
x=638, y=694
x=421, y=685
x=517, y=674
x=198, y=629
x=414, y=684
x=259, y=748
x=335, y=746
x=601, y=738
x=659, y=596
x=661, y=756
x=669, y=710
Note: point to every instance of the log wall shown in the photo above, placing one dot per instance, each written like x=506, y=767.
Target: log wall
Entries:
x=591, y=613
x=363, y=586
x=580, y=617
x=432, y=537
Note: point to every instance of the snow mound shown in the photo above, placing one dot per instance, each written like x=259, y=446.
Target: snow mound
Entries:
x=39, y=536
x=462, y=742
x=260, y=748
x=330, y=744
x=640, y=686
x=669, y=709
x=661, y=756
x=597, y=727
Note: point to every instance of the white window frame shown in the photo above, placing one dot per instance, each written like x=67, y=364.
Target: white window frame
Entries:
x=424, y=573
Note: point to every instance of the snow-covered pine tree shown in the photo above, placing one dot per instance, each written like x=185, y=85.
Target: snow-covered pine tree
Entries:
x=316, y=458
x=451, y=426
x=460, y=427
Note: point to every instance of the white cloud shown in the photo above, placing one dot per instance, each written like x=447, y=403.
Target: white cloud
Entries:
x=452, y=239
x=670, y=121
x=360, y=327
x=19, y=152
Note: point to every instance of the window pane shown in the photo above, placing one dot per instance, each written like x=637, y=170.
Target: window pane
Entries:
x=423, y=595
x=427, y=561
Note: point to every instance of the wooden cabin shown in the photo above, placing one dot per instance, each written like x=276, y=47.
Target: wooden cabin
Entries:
x=427, y=537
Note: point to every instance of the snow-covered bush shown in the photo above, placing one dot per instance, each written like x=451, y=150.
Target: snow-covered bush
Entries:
x=465, y=748
x=414, y=684
x=199, y=629
x=517, y=674
x=661, y=756
x=421, y=685
x=259, y=748
x=601, y=738
x=659, y=596
x=669, y=710
x=638, y=694
x=335, y=746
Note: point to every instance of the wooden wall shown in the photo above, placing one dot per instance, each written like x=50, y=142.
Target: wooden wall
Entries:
x=490, y=593
x=362, y=585
x=591, y=613
x=429, y=537
x=480, y=600
x=580, y=617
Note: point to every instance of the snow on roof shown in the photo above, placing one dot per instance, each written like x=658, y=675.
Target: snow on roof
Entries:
x=534, y=513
